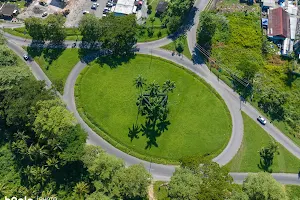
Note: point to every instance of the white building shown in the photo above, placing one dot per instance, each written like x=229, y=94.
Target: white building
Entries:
x=124, y=7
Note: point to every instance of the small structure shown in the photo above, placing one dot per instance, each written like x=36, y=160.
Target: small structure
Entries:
x=278, y=24
x=9, y=10
x=266, y=4
x=125, y=7
x=161, y=7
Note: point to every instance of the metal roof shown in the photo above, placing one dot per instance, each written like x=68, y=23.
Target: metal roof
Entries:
x=279, y=23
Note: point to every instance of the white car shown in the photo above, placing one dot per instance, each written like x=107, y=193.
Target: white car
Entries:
x=261, y=120
x=26, y=57
x=85, y=12
x=109, y=4
x=95, y=5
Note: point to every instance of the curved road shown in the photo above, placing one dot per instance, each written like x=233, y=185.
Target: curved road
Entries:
x=159, y=172
x=164, y=172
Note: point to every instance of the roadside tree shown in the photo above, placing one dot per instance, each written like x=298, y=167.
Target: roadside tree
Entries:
x=90, y=28
x=55, y=30
x=263, y=186
x=36, y=28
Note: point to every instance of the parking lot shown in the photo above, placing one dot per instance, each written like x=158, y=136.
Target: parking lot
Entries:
x=76, y=8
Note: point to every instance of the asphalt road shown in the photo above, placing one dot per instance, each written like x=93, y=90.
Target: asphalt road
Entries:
x=232, y=100
x=159, y=172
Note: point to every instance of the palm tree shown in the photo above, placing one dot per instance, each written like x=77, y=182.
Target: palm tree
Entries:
x=139, y=82
x=152, y=20
x=153, y=89
x=169, y=86
x=81, y=189
x=36, y=152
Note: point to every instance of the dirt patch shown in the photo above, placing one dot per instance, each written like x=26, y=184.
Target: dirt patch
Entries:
x=151, y=192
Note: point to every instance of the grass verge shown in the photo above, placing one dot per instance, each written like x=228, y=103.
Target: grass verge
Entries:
x=172, y=47
x=247, y=159
x=56, y=63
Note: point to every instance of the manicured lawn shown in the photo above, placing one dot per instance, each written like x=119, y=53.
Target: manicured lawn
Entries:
x=293, y=191
x=247, y=158
x=161, y=193
x=56, y=63
x=172, y=47
x=199, y=120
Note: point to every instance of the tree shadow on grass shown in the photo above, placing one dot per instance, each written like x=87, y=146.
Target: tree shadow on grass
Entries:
x=265, y=164
x=114, y=61
x=49, y=53
x=151, y=130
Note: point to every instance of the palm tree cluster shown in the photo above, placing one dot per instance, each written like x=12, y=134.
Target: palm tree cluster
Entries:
x=152, y=103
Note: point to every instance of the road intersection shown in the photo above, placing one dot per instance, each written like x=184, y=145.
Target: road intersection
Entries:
x=231, y=98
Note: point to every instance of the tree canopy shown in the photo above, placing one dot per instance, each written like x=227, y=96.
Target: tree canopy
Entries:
x=263, y=186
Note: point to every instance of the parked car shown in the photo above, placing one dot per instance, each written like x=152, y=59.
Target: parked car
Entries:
x=85, y=12
x=44, y=14
x=109, y=4
x=94, y=7
x=26, y=57
x=261, y=120
x=106, y=10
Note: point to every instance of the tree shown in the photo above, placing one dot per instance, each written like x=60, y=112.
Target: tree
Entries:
x=52, y=118
x=207, y=28
x=11, y=76
x=81, y=189
x=152, y=20
x=37, y=175
x=104, y=167
x=90, y=28
x=17, y=102
x=7, y=57
x=140, y=82
x=263, y=186
x=208, y=181
x=55, y=30
x=239, y=196
x=179, y=47
x=36, y=28
x=249, y=69
x=173, y=24
x=272, y=101
x=267, y=155
x=131, y=182
x=97, y=195
x=119, y=34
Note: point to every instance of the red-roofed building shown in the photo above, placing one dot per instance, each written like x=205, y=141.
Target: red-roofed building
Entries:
x=279, y=24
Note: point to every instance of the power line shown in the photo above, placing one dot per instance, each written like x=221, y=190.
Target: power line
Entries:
x=242, y=81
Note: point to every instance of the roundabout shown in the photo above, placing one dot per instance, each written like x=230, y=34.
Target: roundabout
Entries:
x=199, y=123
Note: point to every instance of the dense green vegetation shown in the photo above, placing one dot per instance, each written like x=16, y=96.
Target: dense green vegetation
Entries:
x=293, y=191
x=56, y=63
x=248, y=159
x=209, y=181
x=235, y=41
x=110, y=107
x=50, y=29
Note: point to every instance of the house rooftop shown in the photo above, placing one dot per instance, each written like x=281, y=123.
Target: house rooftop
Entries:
x=125, y=7
x=8, y=9
x=279, y=23
x=162, y=6
x=269, y=3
